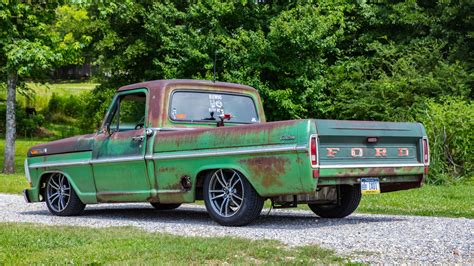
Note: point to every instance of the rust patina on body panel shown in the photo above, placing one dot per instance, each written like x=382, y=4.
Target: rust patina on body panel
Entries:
x=72, y=144
x=225, y=137
x=267, y=169
x=172, y=158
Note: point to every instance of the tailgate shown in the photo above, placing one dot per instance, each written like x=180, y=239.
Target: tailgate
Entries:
x=366, y=148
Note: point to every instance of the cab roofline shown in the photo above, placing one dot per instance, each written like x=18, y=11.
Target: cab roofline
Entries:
x=162, y=84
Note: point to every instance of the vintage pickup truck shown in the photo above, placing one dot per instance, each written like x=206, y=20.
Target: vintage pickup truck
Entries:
x=170, y=142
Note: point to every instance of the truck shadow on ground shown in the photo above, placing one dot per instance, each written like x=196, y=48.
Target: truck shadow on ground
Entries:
x=124, y=214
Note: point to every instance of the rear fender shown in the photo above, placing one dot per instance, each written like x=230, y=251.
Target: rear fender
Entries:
x=236, y=167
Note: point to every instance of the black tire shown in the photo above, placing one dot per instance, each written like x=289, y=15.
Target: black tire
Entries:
x=71, y=205
x=349, y=201
x=250, y=206
x=165, y=207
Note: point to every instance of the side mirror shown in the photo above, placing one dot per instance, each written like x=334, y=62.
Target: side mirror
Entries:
x=106, y=129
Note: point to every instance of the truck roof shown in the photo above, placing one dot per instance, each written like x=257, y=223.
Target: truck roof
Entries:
x=156, y=85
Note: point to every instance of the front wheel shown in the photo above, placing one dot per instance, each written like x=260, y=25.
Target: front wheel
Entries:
x=230, y=199
x=61, y=198
x=349, y=199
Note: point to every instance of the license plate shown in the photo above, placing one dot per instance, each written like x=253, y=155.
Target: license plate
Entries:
x=369, y=186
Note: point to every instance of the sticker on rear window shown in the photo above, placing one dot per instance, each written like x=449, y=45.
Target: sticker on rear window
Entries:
x=215, y=104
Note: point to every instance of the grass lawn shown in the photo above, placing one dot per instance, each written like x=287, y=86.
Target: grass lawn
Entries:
x=43, y=92
x=35, y=244
x=449, y=201
x=17, y=182
x=61, y=88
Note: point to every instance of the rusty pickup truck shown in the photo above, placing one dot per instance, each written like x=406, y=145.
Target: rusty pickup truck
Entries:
x=169, y=142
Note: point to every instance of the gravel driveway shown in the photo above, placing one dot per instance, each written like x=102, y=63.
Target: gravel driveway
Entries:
x=362, y=237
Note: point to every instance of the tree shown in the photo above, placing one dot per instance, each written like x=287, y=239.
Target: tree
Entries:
x=33, y=39
x=364, y=60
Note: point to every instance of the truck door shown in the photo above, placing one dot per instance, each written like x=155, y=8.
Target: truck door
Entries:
x=118, y=155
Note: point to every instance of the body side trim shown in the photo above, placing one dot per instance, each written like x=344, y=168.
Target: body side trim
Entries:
x=177, y=156
x=224, y=153
x=99, y=161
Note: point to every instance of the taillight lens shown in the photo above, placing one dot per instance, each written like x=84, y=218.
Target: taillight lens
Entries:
x=426, y=152
x=313, y=151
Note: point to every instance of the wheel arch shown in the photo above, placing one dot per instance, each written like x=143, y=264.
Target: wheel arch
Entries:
x=44, y=177
x=203, y=171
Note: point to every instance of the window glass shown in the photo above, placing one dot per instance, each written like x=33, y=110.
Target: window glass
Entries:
x=129, y=113
x=204, y=106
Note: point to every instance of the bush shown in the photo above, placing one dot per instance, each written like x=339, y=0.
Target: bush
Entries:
x=64, y=108
x=450, y=127
x=96, y=103
x=27, y=125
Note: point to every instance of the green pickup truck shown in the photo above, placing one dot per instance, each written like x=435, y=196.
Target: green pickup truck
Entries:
x=169, y=142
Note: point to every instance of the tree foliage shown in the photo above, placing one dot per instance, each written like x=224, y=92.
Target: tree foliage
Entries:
x=346, y=60
x=449, y=124
x=34, y=37
x=389, y=61
x=37, y=37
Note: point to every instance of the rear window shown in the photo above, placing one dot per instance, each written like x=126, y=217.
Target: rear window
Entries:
x=208, y=106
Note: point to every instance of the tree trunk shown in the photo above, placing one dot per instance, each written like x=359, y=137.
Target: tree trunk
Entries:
x=10, y=135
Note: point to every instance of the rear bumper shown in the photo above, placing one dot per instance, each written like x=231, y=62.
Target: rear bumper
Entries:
x=392, y=178
x=329, y=181
x=370, y=171
x=26, y=195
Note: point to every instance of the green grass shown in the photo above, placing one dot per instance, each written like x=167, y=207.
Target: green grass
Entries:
x=43, y=92
x=12, y=184
x=17, y=182
x=21, y=147
x=34, y=244
x=450, y=201
x=61, y=88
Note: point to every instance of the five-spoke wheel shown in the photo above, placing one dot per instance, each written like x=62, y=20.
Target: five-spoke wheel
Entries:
x=230, y=199
x=61, y=198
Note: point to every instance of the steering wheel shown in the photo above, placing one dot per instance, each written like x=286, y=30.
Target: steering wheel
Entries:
x=141, y=123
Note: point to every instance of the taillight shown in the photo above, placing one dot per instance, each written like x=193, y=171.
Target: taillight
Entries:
x=313, y=151
x=426, y=151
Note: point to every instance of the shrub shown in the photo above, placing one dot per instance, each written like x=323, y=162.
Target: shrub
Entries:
x=27, y=125
x=96, y=103
x=450, y=127
x=64, y=109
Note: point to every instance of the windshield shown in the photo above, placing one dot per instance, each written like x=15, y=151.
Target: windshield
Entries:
x=205, y=106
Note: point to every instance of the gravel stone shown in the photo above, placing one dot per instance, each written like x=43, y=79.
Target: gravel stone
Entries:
x=361, y=237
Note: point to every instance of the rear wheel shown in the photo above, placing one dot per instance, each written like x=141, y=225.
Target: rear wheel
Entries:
x=165, y=207
x=230, y=199
x=349, y=199
x=61, y=198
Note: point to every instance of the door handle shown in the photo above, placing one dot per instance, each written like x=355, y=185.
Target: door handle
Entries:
x=138, y=138
x=149, y=132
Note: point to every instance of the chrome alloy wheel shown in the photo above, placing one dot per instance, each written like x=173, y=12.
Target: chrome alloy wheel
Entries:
x=226, y=192
x=58, y=192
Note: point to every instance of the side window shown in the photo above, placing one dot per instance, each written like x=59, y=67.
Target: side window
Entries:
x=129, y=112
